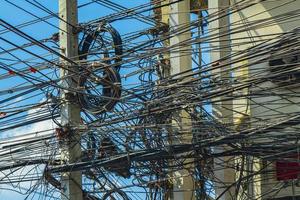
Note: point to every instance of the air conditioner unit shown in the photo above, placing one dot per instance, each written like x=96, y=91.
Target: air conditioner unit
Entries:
x=285, y=70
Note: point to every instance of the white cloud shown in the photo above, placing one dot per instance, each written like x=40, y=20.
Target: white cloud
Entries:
x=14, y=136
x=39, y=128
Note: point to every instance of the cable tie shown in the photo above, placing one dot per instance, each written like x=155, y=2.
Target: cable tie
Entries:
x=11, y=72
x=33, y=70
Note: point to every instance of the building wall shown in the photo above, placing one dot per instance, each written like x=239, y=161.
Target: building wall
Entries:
x=258, y=24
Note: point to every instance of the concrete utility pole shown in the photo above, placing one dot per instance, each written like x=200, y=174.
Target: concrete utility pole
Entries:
x=219, y=25
x=180, y=61
x=71, y=182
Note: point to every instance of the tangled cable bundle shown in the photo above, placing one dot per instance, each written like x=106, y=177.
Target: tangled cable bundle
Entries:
x=136, y=117
x=100, y=83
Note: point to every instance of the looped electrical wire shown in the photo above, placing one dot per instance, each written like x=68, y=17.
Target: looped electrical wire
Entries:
x=96, y=35
x=101, y=90
x=101, y=85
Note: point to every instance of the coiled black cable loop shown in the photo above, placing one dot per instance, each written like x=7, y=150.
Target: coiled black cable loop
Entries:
x=100, y=83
